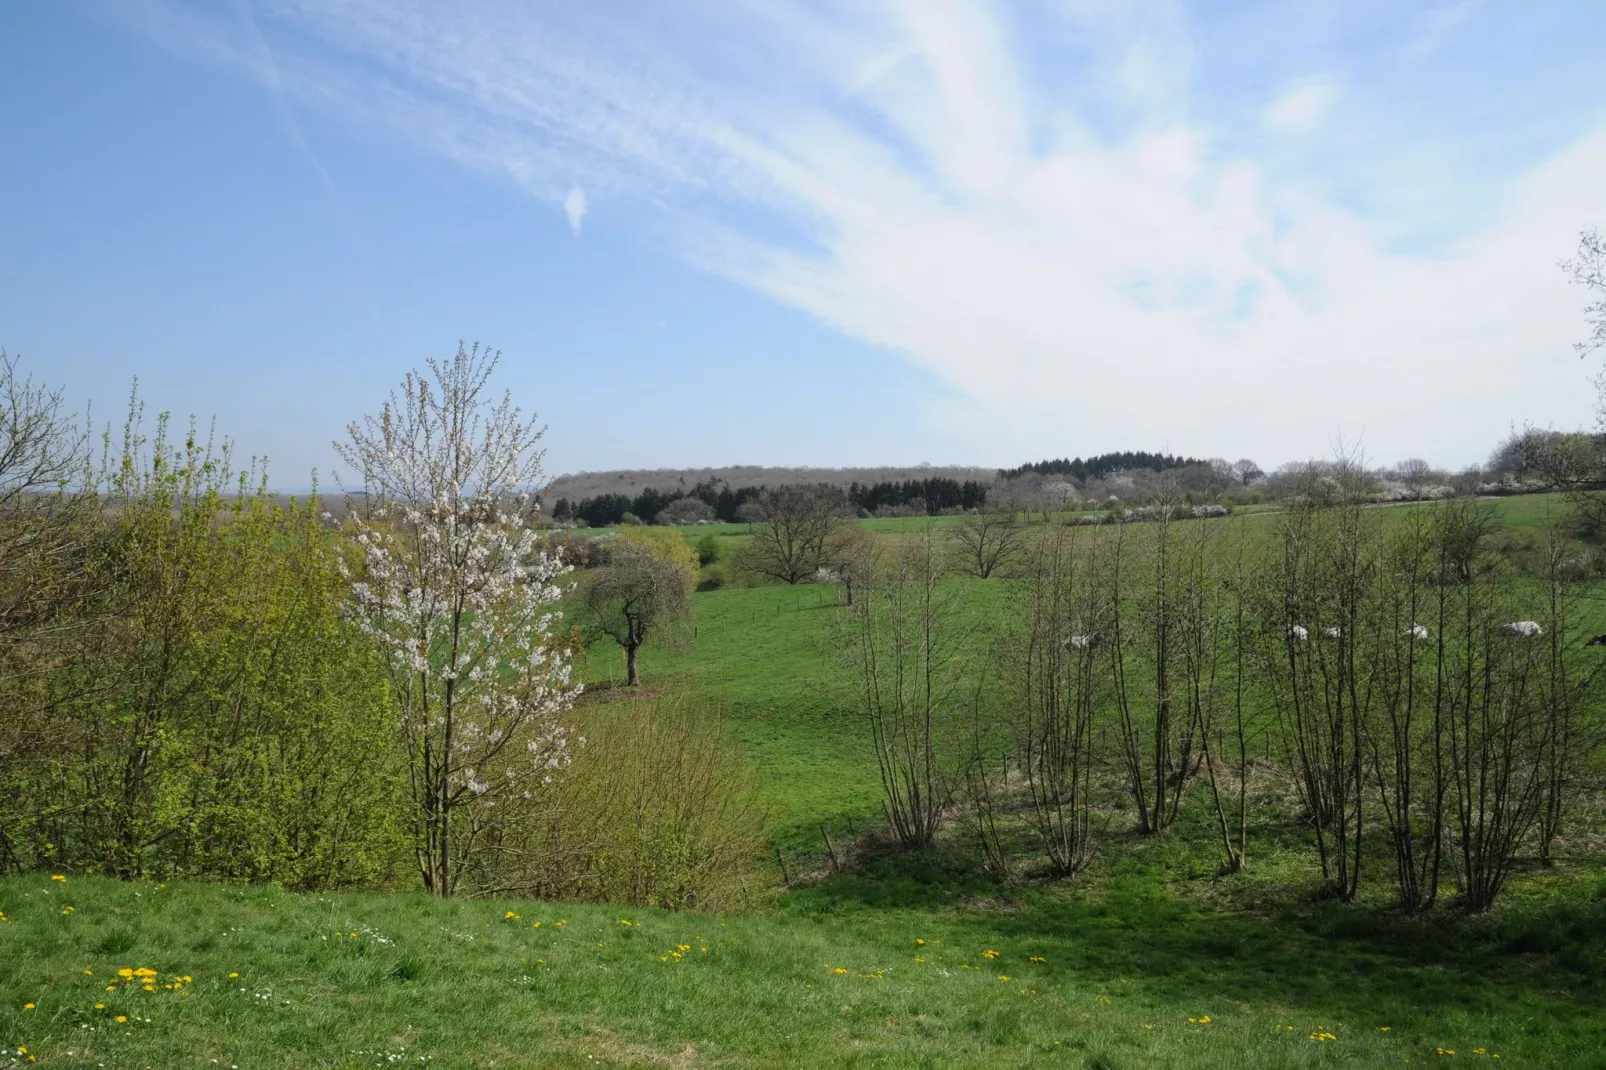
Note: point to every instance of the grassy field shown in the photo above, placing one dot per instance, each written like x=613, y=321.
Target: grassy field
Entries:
x=1151, y=958
x=1148, y=962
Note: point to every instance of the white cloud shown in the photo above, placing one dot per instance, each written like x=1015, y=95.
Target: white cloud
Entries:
x=1302, y=105
x=1077, y=287
x=574, y=207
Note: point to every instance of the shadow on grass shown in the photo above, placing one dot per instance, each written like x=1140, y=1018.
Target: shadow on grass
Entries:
x=1191, y=946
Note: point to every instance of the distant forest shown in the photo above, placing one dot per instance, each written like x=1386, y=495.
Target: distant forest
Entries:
x=1102, y=465
x=931, y=494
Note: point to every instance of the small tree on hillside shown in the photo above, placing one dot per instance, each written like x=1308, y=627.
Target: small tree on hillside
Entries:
x=853, y=555
x=457, y=589
x=792, y=527
x=644, y=586
x=985, y=542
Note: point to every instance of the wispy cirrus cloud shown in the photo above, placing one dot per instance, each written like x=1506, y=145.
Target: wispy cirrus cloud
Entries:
x=1077, y=256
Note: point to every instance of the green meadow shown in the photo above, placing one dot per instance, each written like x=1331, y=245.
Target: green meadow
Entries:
x=1152, y=957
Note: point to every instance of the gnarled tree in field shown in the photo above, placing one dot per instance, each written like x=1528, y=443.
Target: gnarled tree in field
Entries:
x=456, y=588
x=792, y=529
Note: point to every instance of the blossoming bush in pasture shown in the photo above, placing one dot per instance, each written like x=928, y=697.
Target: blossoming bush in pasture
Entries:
x=454, y=585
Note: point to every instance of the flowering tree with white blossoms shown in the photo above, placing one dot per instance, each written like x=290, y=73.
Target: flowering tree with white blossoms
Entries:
x=456, y=588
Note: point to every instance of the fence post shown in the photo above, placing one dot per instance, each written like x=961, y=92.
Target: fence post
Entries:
x=826, y=836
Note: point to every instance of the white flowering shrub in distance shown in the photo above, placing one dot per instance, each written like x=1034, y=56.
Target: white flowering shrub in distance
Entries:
x=454, y=584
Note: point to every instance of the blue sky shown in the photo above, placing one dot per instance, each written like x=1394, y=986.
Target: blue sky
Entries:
x=767, y=231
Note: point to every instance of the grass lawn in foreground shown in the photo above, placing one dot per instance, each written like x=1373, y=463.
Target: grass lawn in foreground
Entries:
x=908, y=963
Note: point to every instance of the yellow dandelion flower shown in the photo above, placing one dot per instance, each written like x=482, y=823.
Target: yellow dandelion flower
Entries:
x=59, y=877
x=121, y=1018
x=232, y=976
x=535, y=925
x=100, y=1006
x=27, y=1006
x=839, y=970
x=510, y=915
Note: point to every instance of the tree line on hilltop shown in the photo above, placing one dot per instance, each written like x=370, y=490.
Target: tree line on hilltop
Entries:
x=931, y=496
x=1102, y=465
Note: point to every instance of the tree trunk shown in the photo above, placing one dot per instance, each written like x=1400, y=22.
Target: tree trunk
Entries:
x=631, y=677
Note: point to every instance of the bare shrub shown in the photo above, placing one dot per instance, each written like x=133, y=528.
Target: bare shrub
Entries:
x=904, y=647
x=657, y=809
x=1054, y=679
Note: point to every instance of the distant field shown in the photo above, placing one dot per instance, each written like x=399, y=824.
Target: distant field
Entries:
x=763, y=653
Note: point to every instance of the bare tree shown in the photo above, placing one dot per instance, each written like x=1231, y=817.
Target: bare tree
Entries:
x=1414, y=472
x=1153, y=585
x=1222, y=641
x=1246, y=471
x=792, y=527
x=1499, y=741
x=1322, y=680
x=983, y=543
x=1421, y=567
x=635, y=595
x=1055, y=680
x=1588, y=269
x=42, y=454
x=905, y=649
x=48, y=597
x=40, y=448
x=457, y=589
x=854, y=556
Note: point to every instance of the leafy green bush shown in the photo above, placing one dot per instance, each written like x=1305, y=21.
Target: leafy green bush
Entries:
x=708, y=549
x=656, y=809
x=207, y=711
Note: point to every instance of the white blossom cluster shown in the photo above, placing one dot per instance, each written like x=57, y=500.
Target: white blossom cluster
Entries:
x=455, y=586
x=459, y=595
